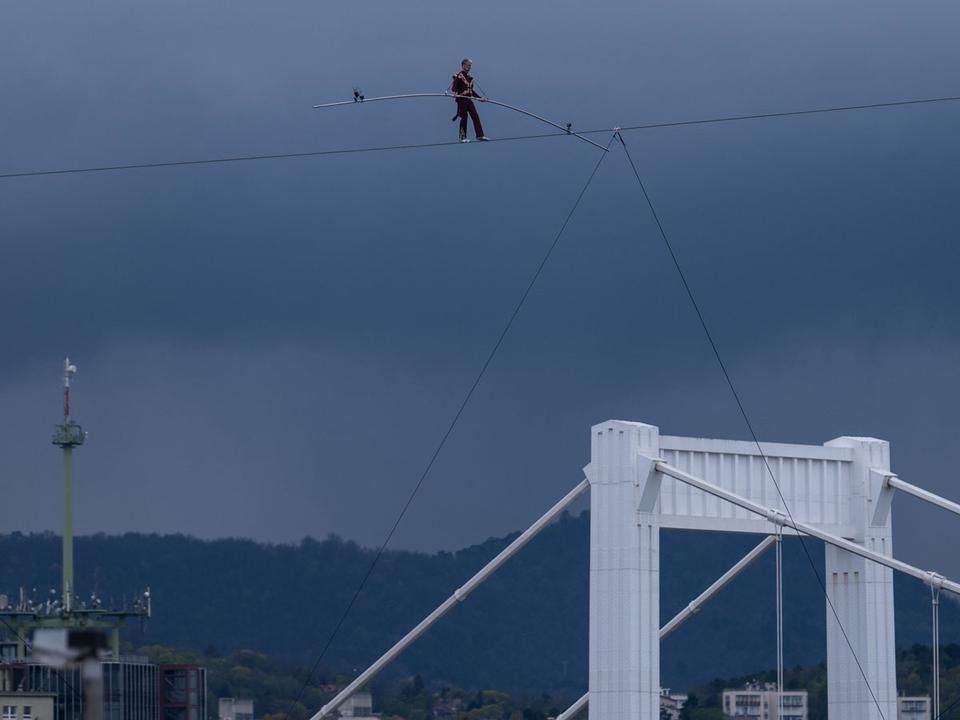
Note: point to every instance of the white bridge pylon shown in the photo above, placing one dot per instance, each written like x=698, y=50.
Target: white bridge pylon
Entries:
x=641, y=481
x=840, y=493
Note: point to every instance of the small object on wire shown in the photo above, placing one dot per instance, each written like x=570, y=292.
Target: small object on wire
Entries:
x=357, y=95
x=569, y=126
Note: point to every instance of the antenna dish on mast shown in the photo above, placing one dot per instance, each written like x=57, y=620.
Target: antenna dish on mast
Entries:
x=69, y=370
x=68, y=433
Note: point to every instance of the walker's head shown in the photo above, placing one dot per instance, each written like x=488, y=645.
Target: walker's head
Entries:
x=466, y=64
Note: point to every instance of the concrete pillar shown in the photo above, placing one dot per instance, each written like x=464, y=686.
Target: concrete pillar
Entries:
x=862, y=595
x=624, y=572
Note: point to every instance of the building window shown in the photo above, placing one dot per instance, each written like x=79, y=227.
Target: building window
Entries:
x=9, y=712
x=27, y=712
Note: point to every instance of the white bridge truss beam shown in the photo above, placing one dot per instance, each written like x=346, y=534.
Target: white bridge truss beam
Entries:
x=861, y=683
x=458, y=597
x=779, y=518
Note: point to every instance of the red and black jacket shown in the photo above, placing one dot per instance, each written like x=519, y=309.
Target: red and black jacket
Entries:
x=463, y=85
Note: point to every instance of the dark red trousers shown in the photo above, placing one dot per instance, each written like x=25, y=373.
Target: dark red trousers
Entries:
x=466, y=107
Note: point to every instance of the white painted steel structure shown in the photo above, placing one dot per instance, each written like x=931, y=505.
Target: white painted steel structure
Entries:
x=690, y=610
x=641, y=481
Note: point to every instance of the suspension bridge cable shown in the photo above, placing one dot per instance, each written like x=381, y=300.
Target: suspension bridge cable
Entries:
x=935, y=646
x=453, y=422
x=743, y=412
x=779, y=613
x=420, y=146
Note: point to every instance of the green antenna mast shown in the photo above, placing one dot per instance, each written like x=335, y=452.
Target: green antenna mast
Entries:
x=68, y=435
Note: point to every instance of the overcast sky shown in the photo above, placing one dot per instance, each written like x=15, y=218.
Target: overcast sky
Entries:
x=273, y=349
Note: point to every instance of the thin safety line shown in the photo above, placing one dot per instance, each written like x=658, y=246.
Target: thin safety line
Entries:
x=453, y=422
x=743, y=413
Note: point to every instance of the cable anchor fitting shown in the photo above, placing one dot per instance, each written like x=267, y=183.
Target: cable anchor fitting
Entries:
x=935, y=580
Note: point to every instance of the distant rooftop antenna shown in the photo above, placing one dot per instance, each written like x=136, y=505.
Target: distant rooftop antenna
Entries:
x=68, y=435
x=69, y=614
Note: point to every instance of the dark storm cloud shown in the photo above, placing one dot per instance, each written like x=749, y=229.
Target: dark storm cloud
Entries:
x=272, y=349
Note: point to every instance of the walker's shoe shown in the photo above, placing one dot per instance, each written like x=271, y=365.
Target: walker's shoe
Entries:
x=464, y=140
x=483, y=138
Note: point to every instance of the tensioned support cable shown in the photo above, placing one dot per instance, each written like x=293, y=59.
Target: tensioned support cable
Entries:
x=778, y=517
x=935, y=611
x=538, y=271
x=743, y=413
x=271, y=156
x=421, y=146
x=936, y=581
x=413, y=96
x=458, y=596
x=926, y=496
x=795, y=113
x=779, y=583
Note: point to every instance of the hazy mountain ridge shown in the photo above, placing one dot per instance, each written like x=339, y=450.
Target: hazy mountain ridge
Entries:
x=525, y=629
